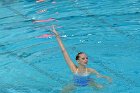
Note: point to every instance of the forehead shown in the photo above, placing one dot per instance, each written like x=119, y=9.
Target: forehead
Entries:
x=82, y=55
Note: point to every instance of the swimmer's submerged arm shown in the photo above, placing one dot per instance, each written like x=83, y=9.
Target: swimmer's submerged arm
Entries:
x=93, y=71
x=65, y=54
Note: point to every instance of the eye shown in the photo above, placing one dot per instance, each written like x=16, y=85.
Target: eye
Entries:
x=84, y=58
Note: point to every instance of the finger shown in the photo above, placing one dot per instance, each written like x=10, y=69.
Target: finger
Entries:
x=53, y=28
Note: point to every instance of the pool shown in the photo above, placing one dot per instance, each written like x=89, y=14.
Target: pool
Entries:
x=108, y=31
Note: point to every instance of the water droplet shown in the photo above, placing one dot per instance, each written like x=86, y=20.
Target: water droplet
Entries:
x=99, y=41
x=89, y=34
x=64, y=36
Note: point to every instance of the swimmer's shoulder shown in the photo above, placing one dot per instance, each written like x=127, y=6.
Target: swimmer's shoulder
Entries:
x=91, y=70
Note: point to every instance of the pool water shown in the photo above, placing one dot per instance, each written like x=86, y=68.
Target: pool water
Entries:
x=31, y=61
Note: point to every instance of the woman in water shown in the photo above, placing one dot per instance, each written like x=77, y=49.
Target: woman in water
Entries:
x=81, y=72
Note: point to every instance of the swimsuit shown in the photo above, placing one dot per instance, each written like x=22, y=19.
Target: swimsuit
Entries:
x=81, y=79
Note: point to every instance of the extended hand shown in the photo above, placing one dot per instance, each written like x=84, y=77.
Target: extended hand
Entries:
x=109, y=79
x=54, y=31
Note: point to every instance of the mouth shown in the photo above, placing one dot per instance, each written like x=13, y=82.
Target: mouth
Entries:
x=85, y=62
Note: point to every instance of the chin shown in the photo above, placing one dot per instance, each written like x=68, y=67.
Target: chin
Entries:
x=85, y=64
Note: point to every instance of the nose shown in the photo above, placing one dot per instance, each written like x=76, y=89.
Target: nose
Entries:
x=86, y=60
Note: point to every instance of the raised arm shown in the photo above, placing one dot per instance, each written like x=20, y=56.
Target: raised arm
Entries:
x=65, y=54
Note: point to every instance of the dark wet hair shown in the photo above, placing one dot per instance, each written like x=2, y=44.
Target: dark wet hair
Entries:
x=77, y=56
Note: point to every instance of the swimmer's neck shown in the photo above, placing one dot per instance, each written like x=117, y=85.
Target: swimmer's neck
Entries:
x=81, y=68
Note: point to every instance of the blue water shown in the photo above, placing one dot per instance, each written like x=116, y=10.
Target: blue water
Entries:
x=107, y=30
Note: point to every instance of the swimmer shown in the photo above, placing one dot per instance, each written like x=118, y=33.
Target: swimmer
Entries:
x=81, y=72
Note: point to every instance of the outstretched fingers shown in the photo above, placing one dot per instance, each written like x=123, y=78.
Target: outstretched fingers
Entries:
x=54, y=30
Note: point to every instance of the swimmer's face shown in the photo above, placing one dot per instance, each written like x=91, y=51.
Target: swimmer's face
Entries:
x=83, y=59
